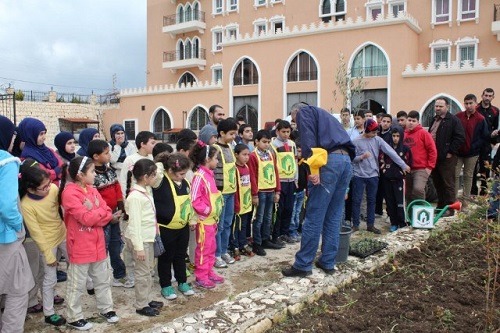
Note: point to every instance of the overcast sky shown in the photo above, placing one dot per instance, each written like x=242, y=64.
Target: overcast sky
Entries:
x=72, y=45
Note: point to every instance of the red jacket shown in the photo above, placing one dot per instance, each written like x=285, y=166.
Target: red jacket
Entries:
x=423, y=148
x=85, y=235
x=253, y=165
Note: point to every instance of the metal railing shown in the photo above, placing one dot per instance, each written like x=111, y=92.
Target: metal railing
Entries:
x=43, y=96
x=183, y=55
x=195, y=15
x=370, y=71
x=496, y=12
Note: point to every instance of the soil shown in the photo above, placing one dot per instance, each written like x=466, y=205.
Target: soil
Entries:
x=437, y=288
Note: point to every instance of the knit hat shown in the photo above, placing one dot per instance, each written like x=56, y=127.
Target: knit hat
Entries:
x=206, y=133
x=7, y=129
x=370, y=125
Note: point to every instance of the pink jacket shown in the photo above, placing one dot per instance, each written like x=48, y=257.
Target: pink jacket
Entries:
x=200, y=194
x=85, y=213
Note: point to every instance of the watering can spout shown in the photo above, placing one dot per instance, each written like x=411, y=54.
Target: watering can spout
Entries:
x=457, y=205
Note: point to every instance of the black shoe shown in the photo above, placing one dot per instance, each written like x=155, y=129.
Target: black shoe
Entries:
x=267, y=244
x=294, y=272
x=148, y=312
x=372, y=228
x=91, y=291
x=110, y=316
x=81, y=325
x=55, y=320
x=258, y=250
x=328, y=271
x=280, y=241
x=155, y=304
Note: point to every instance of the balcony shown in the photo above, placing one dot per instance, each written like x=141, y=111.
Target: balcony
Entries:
x=184, y=22
x=175, y=60
x=495, y=25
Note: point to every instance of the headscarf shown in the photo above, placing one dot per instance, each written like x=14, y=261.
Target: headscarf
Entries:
x=30, y=129
x=85, y=137
x=60, y=142
x=7, y=130
x=113, y=129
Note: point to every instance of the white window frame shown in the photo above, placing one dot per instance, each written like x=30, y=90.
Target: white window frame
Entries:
x=273, y=2
x=439, y=45
x=218, y=10
x=259, y=23
x=232, y=27
x=394, y=3
x=460, y=12
x=277, y=19
x=257, y=4
x=333, y=6
x=374, y=4
x=215, y=46
x=434, y=15
x=232, y=6
x=216, y=67
x=466, y=42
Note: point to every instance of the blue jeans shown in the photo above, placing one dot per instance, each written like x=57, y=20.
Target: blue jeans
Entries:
x=113, y=239
x=359, y=185
x=494, y=202
x=225, y=222
x=263, y=218
x=239, y=234
x=324, y=211
x=297, y=208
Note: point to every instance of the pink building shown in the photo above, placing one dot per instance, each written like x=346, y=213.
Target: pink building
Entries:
x=257, y=57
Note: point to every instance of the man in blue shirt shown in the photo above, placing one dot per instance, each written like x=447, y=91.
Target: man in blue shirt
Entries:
x=325, y=205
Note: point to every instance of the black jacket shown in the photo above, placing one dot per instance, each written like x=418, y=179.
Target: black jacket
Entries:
x=450, y=136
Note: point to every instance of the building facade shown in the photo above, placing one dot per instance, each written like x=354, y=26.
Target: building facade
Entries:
x=257, y=57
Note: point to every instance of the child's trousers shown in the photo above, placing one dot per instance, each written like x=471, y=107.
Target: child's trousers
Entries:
x=204, y=255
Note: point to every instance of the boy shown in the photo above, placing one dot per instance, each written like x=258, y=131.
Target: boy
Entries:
x=264, y=179
x=106, y=182
x=285, y=153
x=225, y=178
x=394, y=180
x=359, y=125
x=402, y=116
x=366, y=172
x=245, y=134
x=300, y=192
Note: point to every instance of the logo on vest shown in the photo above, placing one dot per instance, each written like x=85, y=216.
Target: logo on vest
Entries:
x=186, y=211
x=288, y=165
x=269, y=174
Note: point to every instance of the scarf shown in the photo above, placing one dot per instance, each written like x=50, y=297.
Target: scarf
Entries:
x=7, y=130
x=60, y=142
x=30, y=129
x=113, y=129
x=85, y=137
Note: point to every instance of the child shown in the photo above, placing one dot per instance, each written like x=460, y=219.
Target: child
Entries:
x=85, y=137
x=85, y=215
x=264, y=179
x=120, y=147
x=225, y=178
x=207, y=203
x=40, y=208
x=65, y=144
x=300, y=192
x=242, y=203
x=106, y=182
x=394, y=180
x=366, y=172
x=285, y=153
x=173, y=212
x=34, y=133
x=141, y=232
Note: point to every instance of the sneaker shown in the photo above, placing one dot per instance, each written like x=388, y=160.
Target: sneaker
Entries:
x=247, y=251
x=123, y=282
x=168, y=293
x=110, y=316
x=259, y=250
x=55, y=320
x=215, y=278
x=293, y=239
x=237, y=255
x=294, y=272
x=372, y=228
x=227, y=258
x=267, y=244
x=35, y=308
x=207, y=284
x=393, y=228
x=219, y=263
x=328, y=271
x=155, y=304
x=148, y=312
x=279, y=241
x=185, y=289
x=58, y=300
x=286, y=239
x=81, y=325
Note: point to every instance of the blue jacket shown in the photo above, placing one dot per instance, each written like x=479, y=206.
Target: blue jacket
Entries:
x=11, y=220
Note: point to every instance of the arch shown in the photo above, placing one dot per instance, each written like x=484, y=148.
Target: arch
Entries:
x=427, y=110
x=369, y=61
x=180, y=13
x=197, y=118
x=187, y=78
x=180, y=49
x=196, y=47
x=161, y=120
x=326, y=7
x=188, y=49
x=303, y=67
x=251, y=116
x=245, y=73
x=188, y=12
x=196, y=10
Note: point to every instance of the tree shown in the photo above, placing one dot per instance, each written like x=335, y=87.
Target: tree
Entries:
x=19, y=95
x=349, y=84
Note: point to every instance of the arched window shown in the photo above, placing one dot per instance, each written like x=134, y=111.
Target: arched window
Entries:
x=326, y=8
x=188, y=50
x=429, y=112
x=188, y=13
x=246, y=73
x=198, y=118
x=370, y=61
x=180, y=14
x=161, y=123
x=180, y=50
x=196, y=11
x=196, y=48
x=187, y=78
x=302, y=68
x=251, y=115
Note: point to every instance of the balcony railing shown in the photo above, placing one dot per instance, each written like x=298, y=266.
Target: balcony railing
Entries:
x=370, y=71
x=178, y=55
x=196, y=15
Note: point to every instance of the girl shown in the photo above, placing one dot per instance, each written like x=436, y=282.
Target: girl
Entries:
x=207, y=203
x=85, y=215
x=84, y=139
x=141, y=232
x=65, y=144
x=174, y=210
x=34, y=134
x=40, y=208
x=242, y=203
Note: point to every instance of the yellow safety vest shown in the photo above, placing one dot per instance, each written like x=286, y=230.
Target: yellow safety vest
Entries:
x=285, y=161
x=229, y=173
x=267, y=177
x=245, y=196
x=183, y=208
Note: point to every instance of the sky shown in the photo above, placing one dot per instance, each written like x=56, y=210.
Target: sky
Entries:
x=74, y=46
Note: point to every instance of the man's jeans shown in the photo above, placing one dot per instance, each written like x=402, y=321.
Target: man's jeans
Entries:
x=224, y=227
x=263, y=218
x=359, y=185
x=324, y=211
x=297, y=208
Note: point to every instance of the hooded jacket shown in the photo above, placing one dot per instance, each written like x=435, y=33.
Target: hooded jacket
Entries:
x=388, y=168
x=476, y=133
x=423, y=148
